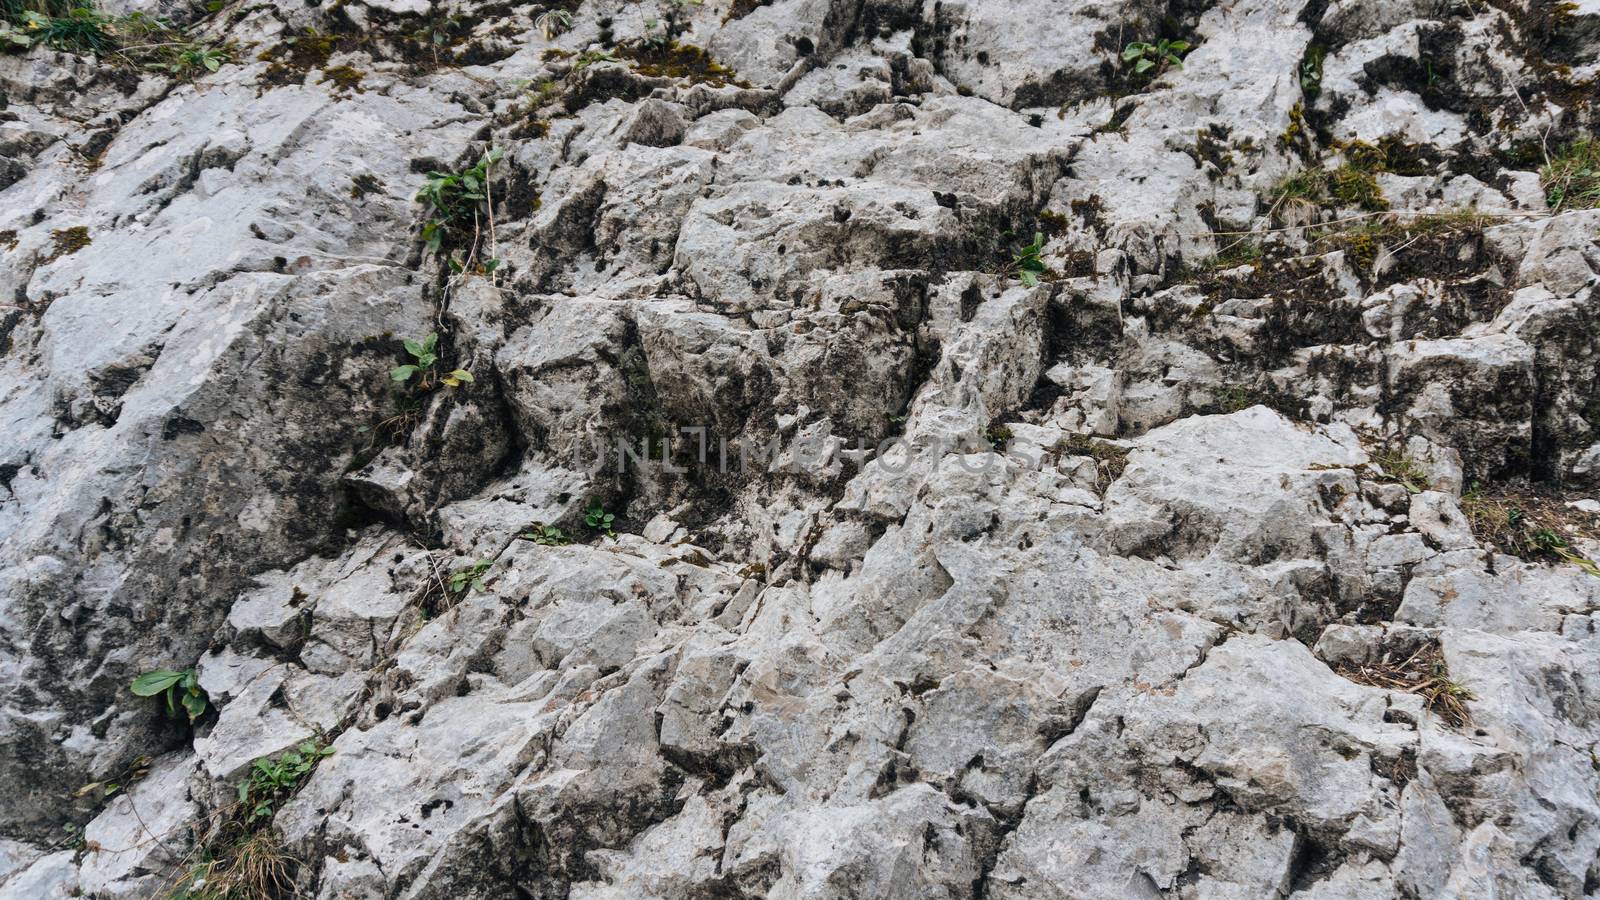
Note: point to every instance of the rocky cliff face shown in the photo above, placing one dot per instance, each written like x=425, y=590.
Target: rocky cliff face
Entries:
x=1231, y=538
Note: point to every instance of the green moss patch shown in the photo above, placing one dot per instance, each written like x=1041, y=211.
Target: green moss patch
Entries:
x=68, y=241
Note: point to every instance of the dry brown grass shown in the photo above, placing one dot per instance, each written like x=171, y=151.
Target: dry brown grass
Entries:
x=1423, y=673
x=254, y=868
x=1109, y=459
x=1528, y=523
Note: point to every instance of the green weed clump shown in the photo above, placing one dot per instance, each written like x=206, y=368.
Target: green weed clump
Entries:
x=180, y=689
x=1571, y=180
x=459, y=209
x=137, y=39
x=241, y=858
x=1153, y=59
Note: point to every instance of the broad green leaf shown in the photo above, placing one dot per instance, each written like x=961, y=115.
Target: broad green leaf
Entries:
x=402, y=373
x=1144, y=65
x=414, y=348
x=194, y=705
x=1132, y=52
x=1179, y=46
x=152, y=683
x=431, y=342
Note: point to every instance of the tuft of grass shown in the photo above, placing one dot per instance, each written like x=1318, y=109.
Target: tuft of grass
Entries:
x=136, y=39
x=255, y=867
x=1397, y=468
x=1241, y=251
x=552, y=23
x=1571, y=180
x=1310, y=190
x=1389, y=235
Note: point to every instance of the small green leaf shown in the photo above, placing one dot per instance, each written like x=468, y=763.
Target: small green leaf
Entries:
x=414, y=348
x=1144, y=65
x=194, y=705
x=403, y=373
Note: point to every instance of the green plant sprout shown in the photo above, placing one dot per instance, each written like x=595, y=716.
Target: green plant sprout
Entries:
x=546, y=535
x=179, y=688
x=597, y=518
x=1026, y=262
x=425, y=353
x=1146, y=56
x=469, y=577
x=272, y=781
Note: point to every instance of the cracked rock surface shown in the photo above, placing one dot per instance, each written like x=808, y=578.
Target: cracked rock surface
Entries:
x=1247, y=551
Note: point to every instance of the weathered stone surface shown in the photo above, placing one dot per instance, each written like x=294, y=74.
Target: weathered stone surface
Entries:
x=790, y=537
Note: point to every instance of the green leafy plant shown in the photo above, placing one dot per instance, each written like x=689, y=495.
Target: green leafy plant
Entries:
x=457, y=200
x=193, y=59
x=13, y=37
x=546, y=535
x=1159, y=56
x=1311, y=70
x=426, y=357
x=597, y=518
x=1026, y=264
x=179, y=688
x=469, y=577
x=272, y=781
x=592, y=57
